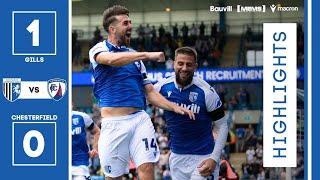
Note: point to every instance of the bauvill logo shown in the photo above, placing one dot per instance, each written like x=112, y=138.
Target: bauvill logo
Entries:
x=220, y=9
x=280, y=8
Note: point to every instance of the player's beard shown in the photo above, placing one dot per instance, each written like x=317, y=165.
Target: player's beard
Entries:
x=127, y=40
x=123, y=39
x=127, y=37
x=184, y=81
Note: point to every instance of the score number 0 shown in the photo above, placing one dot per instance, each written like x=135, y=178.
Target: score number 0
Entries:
x=26, y=143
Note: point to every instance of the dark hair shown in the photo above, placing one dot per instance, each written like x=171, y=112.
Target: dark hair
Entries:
x=187, y=51
x=110, y=13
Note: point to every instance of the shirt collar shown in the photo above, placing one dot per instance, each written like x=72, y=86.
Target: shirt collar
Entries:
x=186, y=87
x=115, y=48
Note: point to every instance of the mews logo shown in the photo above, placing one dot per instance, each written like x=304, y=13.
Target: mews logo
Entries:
x=241, y=8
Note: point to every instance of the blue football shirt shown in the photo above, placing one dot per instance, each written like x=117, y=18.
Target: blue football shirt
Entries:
x=118, y=86
x=190, y=136
x=80, y=122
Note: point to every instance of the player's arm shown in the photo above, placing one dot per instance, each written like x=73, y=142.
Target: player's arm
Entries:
x=95, y=131
x=216, y=112
x=156, y=99
x=207, y=166
x=124, y=58
x=222, y=134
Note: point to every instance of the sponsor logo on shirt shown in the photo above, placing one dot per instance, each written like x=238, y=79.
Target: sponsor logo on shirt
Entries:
x=76, y=131
x=192, y=107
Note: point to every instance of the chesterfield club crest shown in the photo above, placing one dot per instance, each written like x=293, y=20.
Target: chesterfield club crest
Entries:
x=57, y=88
x=11, y=88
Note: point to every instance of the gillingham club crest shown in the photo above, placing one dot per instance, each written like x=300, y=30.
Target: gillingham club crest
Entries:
x=57, y=88
x=193, y=96
x=11, y=88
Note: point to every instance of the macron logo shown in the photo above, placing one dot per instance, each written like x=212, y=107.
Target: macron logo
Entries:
x=273, y=7
x=169, y=93
x=283, y=9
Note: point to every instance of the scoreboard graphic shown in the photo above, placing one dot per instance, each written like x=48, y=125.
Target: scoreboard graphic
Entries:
x=34, y=144
x=36, y=83
x=34, y=32
x=34, y=79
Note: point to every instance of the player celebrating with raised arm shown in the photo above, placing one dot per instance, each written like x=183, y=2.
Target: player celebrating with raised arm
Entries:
x=80, y=151
x=194, y=155
x=120, y=87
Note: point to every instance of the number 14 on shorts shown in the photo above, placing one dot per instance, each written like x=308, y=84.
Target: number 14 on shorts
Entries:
x=153, y=144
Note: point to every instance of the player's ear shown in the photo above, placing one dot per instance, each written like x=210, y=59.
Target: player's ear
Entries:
x=112, y=29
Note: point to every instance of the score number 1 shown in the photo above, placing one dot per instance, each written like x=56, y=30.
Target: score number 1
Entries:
x=33, y=28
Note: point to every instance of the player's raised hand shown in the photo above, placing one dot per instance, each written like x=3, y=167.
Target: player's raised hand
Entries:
x=206, y=167
x=158, y=56
x=184, y=111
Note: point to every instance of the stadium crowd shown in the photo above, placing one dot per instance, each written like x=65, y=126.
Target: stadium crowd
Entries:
x=209, y=46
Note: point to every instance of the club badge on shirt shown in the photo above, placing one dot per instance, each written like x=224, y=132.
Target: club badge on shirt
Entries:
x=193, y=96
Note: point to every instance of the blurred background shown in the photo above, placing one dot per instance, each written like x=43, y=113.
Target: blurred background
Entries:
x=229, y=46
